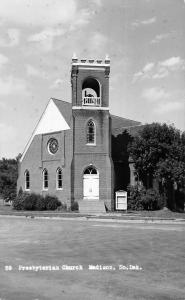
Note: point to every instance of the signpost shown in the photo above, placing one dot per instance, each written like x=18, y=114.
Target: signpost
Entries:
x=121, y=200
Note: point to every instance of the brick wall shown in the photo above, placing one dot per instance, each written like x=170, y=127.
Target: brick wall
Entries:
x=79, y=75
x=37, y=158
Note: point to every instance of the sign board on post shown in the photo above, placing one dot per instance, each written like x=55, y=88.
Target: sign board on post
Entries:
x=121, y=200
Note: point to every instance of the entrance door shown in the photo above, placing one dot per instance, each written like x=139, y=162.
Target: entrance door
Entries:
x=91, y=183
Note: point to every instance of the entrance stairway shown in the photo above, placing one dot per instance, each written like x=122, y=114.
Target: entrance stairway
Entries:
x=91, y=206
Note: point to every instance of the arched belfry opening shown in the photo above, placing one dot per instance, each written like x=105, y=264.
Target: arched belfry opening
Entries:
x=91, y=92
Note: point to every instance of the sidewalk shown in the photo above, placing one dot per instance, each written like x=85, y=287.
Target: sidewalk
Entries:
x=130, y=217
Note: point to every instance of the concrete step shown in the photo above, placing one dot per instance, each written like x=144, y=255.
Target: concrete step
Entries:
x=91, y=206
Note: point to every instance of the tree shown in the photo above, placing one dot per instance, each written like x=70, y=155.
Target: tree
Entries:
x=159, y=153
x=8, y=178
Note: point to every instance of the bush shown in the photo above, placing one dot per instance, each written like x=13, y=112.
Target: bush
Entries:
x=151, y=200
x=32, y=201
x=52, y=202
x=141, y=199
x=74, y=206
x=29, y=202
x=134, y=197
x=40, y=203
x=18, y=202
x=63, y=206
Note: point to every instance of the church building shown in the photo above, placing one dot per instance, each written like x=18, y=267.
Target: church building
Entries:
x=75, y=149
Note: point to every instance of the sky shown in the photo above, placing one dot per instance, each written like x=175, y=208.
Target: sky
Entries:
x=145, y=40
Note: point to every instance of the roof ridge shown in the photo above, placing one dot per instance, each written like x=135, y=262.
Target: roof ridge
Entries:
x=124, y=118
x=60, y=100
x=137, y=125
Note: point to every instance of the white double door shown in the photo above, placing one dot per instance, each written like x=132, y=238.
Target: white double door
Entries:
x=91, y=186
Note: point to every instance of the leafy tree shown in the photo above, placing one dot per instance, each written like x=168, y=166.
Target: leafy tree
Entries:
x=8, y=178
x=159, y=153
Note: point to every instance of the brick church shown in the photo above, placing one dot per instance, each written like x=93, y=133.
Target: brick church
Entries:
x=76, y=149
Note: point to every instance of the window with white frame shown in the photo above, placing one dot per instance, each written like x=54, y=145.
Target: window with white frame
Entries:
x=45, y=179
x=27, y=180
x=91, y=133
x=59, y=179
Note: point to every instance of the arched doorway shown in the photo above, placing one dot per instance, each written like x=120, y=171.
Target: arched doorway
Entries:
x=91, y=183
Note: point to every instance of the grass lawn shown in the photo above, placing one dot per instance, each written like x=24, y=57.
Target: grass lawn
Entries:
x=157, y=249
x=8, y=210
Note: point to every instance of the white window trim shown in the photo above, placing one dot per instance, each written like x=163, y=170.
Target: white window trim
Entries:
x=44, y=188
x=58, y=188
x=91, y=144
x=25, y=183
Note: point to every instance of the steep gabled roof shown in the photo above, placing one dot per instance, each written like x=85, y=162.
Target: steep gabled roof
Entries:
x=65, y=108
x=132, y=130
x=56, y=117
x=120, y=124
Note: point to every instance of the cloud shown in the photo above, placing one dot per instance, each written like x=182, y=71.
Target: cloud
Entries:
x=144, y=73
x=161, y=73
x=144, y=22
x=46, y=36
x=167, y=107
x=34, y=72
x=155, y=94
x=11, y=39
x=169, y=65
x=148, y=67
x=82, y=18
x=11, y=85
x=98, y=2
x=3, y=60
x=57, y=84
x=37, y=12
x=161, y=69
x=160, y=37
x=162, y=100
x=8, y=138
x=3, y=105
x=96, y=45
x=173, y=63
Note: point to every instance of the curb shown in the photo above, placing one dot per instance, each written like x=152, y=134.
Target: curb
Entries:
x=101, y=220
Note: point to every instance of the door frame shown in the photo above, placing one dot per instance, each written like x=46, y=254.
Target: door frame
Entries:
x=91, y=177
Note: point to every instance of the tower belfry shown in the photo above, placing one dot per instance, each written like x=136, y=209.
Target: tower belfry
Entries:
x=90, y=82
x=91, y=164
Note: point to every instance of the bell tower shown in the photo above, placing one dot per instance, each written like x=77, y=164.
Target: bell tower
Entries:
x=91, y=167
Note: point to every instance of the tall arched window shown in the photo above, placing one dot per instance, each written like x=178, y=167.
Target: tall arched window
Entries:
x=45, y=179
x=59, y=179
x=27, y=180
x=91, y=132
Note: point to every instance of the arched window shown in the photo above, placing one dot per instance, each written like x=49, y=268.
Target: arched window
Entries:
x=90, y=170
x=59, y=179
x=91, y=132
x=27, y=180
x=45, y=179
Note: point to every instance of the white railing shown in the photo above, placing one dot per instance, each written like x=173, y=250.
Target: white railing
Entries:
x=91, y=101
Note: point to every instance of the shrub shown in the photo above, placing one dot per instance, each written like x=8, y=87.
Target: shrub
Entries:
x=74, y=206
x=141, y=199
x=34, y=201
x=52, y=202
x=29, y=202
x=18, y=202
x=63, y=206
x=40, y=203
x=134, y=197
x=151, y=200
